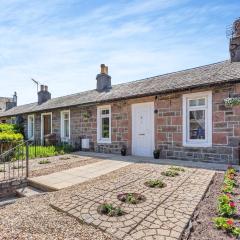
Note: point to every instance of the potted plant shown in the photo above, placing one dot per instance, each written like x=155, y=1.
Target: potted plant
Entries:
x=123, y=151
x=156, y=153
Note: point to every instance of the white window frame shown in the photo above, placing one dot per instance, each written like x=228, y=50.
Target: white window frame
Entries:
x=33, y=133
x=207, y=142
x=99, y=124
x=63, y=138
x=44, y=114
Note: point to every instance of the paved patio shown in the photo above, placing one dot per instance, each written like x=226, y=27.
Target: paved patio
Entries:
x=67, y=178
x=164, y=215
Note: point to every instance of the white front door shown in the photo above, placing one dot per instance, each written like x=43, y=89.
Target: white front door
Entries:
x=143, y=129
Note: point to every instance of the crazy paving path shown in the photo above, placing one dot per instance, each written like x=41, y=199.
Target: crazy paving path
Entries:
x=164, y=215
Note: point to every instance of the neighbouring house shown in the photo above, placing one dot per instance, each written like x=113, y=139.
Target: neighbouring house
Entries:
x=7, y=103
x=182, y=113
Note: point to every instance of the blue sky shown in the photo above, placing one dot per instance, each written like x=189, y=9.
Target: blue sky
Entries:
x=62, y=43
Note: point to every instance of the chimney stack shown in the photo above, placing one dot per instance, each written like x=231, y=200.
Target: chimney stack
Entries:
x=12, y=102
x=43, y=95
x=103, y=79
x=235, y=42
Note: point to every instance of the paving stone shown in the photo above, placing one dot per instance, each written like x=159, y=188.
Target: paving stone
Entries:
x=164, y=214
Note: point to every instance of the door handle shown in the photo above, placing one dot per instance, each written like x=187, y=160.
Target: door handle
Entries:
x=141, y=134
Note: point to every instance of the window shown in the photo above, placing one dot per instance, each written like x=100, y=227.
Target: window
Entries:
x=13, y=120
x=65, y=125
x=197, y=119
x=104, y=124
x=30, y=126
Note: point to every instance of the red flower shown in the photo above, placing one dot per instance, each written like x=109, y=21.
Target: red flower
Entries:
x=232, y=204
x=229, y=222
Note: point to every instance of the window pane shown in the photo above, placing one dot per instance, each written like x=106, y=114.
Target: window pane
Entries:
x=65, y=116
x=105, y=127
x=66, y=128
x=197, y=124
x=201, y=102
x=105, y=111
x=193, y=103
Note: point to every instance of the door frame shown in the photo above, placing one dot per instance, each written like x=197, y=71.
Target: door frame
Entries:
x=42, y=124
x=151, y=105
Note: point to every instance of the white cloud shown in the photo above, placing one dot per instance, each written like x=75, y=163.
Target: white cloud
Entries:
x=63, y=43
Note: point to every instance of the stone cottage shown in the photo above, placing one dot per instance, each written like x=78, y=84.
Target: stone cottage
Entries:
x=182, y=113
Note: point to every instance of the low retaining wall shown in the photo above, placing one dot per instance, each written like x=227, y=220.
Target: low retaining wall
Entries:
x=9, y=187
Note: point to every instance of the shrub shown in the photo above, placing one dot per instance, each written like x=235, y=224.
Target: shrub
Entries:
x=178, y=169
x=110, y=210
x=132, y=198
x=155, y=183
x=170, y=173
x=5, y=127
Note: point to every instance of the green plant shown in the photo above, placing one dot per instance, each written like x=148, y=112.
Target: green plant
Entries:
x=227, y=189
x=110, y=210
x=46, y=161
x=230, y=182
x=155, y=183
x=224, y=199
x=228, y=225
x=231, y=170
x=178, y=169
x=132, y=198
x=227, y=209
x=232, y=101
x=10, y=132
x=170, y=173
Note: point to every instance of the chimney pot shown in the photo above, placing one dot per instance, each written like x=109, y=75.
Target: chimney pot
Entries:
x=43, y=95
x=102, y=68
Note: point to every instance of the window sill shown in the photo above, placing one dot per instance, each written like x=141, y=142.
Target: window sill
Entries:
x=197, y=145
x=107, y=141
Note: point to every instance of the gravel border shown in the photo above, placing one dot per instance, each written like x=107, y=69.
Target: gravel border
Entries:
x=202, y=221
x=57, y=163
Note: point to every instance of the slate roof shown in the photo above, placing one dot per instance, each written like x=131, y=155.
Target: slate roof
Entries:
x=207, y=75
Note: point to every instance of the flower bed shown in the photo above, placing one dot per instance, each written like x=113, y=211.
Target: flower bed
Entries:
x=228, y=219
x=131, y=198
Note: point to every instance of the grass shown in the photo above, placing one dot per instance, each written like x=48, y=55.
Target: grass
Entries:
x=43, y=151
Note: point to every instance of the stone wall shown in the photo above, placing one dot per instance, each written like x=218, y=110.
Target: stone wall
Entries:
x=9, y=187
x=226, y=128
x=168, y=126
